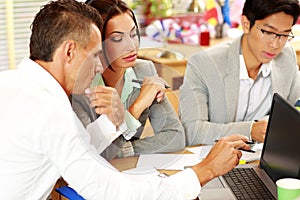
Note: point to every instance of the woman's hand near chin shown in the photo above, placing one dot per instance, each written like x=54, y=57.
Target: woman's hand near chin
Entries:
x=152, y=88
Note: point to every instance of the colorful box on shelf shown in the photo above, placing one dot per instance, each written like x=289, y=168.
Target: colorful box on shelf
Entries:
x=176, y=29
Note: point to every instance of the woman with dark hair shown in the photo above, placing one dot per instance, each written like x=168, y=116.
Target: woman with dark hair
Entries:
x=143, y=100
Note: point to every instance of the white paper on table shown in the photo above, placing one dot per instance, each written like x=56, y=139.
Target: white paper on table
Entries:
x=141, y=170
x=258, y=146
x=249, y=156
x=201, y=151
x=141, y=173
x=168, y=161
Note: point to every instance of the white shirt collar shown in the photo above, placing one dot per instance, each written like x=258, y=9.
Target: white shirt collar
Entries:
x=265, y=69
x=38, y=74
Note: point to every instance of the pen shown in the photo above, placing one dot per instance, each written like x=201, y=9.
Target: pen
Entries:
x=139, y=81
x=248, y=142
x=250, y=150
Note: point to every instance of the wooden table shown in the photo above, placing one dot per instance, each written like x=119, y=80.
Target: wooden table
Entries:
x=123, y=164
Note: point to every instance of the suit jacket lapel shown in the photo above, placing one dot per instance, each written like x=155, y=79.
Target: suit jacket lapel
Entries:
x=231, y=80
x=277, y=79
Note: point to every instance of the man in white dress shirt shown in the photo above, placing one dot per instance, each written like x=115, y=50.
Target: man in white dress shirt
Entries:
x=42, y=138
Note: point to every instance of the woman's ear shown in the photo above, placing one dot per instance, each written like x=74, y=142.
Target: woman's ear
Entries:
x=245, y=24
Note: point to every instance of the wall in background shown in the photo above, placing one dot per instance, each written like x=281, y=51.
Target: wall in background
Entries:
x=15, y=19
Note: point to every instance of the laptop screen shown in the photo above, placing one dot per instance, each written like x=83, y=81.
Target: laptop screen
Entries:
x=281, y=152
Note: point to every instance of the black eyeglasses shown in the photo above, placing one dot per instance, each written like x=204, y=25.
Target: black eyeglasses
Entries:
x=271, y=36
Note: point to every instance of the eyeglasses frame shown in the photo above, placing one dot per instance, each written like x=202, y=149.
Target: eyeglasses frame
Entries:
x=276, y=35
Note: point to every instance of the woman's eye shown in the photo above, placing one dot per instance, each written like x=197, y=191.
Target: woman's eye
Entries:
x=133, y=34
x=117, y=38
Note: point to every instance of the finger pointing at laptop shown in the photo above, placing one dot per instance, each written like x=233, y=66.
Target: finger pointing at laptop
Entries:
x=222, y=158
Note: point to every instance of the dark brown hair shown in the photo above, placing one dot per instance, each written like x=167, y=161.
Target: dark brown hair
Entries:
x=58, y=21
x=108, y=9
x=260, y=9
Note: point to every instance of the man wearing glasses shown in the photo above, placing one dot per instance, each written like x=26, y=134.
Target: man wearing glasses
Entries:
x=232, y=84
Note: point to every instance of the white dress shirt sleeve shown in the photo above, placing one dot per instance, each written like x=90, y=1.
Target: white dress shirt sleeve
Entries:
x=46, y=140
x=132, y=124
x=103, y=132
x=94, y=178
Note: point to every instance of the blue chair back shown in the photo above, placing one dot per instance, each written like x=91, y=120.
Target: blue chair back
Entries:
x=69, y=193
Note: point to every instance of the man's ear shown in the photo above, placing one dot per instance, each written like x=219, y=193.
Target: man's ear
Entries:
x=69, y=50
x=245, y=24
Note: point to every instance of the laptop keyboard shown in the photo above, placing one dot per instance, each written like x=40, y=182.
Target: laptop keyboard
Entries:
x=245, y=184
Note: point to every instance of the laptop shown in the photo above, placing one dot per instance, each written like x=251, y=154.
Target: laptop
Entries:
x=280, y=158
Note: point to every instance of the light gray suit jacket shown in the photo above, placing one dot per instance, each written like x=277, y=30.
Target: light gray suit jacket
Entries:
x=209, y=93
x=169, y=135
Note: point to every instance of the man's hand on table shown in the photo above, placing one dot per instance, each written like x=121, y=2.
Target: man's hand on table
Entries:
x=223, y=157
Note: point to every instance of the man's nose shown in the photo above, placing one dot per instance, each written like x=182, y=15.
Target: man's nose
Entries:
x=275, y=43
x=131, y=43
x=99, y=67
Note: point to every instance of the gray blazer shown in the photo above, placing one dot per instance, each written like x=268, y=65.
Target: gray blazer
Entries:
x=169, y=135
x=209, y=93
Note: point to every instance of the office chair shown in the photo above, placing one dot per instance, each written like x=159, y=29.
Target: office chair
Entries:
x=69, y=193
